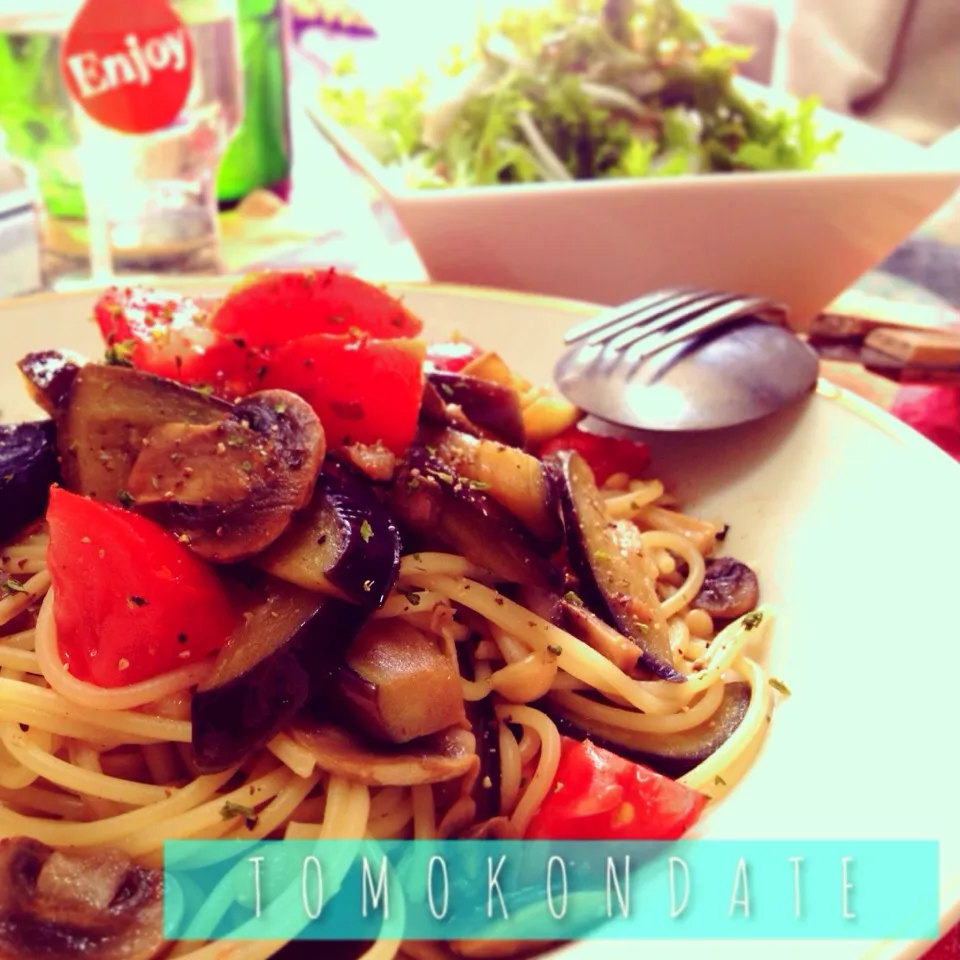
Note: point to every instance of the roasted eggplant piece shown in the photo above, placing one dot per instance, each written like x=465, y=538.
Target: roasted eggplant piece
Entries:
x=594, y=632
x=77, y=904
x=673, y=754
x=109, y=412
x=442, y=508
x=730, y=589
x=28, y=468
x=230, y=489
x=344, y=544
x=515, y=479
x=49, y=374
x=281, y=652
x=613, y=582
x=445, y=756
x=397, y=685
x=493, y=408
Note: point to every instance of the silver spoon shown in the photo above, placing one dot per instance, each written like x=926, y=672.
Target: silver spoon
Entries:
x=686, y=359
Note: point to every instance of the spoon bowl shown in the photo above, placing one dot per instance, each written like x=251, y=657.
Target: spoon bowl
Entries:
x=735, y=372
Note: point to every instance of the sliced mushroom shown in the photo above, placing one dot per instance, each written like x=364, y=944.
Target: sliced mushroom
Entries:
x=730, y=589
x=446, y=756
x=94, y=905
x=230, y=489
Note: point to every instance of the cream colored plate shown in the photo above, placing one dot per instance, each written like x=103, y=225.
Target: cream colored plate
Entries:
x=852, y=521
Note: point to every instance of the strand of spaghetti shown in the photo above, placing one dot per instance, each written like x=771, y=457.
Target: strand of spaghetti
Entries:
x=24, y=640
x=511, y=768
x=587, y=709
x=76, y=779
x=529, y=745
x=290, y=753
x=86, y=758
x=76, y=729
x=14, y=775
x=625, y=506
x=445, y=564
x=546, y=771
x=89, y=695
x=23, y=660
x=695, y=563
x=699, y=532
x=525, y=680
x=279, y=810
x=113, y=830
x=41, y=800
x=424, y=812
x=207, y=814
x=121, y=722
x=575, y=657
x=14, y=604
x=392, y=824
x=721, y=770
x=399, y=604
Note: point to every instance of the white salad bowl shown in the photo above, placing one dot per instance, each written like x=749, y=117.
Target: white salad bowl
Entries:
x=798, y=237
x=850, y=519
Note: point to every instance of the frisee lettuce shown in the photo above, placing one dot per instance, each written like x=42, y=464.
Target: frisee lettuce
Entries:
x=580, y=89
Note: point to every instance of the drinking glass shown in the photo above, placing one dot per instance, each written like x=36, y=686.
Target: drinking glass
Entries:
x=121, y=202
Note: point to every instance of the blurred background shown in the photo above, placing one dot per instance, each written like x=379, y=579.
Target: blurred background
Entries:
x=283, y=194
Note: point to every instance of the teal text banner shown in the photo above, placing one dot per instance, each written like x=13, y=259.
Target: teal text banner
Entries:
x=550, y=890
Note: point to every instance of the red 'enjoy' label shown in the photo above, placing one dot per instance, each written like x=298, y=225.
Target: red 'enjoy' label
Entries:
x=128, y=65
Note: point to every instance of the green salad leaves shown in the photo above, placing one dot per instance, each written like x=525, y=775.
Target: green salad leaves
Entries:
x=579, y=90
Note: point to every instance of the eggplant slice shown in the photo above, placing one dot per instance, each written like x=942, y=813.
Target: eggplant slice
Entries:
x=440, y=507
x=613, y=583
x=397, y=685
x=108, y=413
x=493, y=409
x=673, y=754
x=49, y=375
x=28, y=468
x=344, y=544
x=230, y=489
x=283, y=651
x=515, y=479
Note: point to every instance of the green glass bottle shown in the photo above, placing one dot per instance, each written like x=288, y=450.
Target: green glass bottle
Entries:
x=259, y=154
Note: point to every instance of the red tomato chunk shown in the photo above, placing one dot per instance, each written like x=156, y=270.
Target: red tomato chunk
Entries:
x=131, y=601
x=598, y=795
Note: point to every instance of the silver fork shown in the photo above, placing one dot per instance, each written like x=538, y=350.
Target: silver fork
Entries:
x=756, y=366
x=675, y=315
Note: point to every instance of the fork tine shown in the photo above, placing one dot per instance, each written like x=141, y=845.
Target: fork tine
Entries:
x=607, y=317
x=715, y=317
x=680, y=314
x=672, y=311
